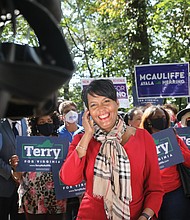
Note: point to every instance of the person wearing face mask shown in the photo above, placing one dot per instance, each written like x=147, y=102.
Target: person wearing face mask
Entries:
x=69, y=115
x=172, y=110
x=175, y=205
x=184, y=116
x=68, y=111
x=37, y=192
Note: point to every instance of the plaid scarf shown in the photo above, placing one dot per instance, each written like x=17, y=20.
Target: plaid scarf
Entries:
x=112, y=172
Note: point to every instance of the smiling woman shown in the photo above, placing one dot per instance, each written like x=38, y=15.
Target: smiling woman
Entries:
x=119, y=163
x=102, y=109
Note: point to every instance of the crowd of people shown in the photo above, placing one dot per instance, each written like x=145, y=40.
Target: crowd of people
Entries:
x=114, y=154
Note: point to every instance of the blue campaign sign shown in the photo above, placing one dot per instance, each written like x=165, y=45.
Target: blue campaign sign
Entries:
x=162, y=80
x=38, y=153
x=63, y=191
x=168, y=150
x=184, y=133
x=153, y=101
x=144, y=102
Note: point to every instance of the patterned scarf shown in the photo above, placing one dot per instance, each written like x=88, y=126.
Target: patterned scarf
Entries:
x=112, y=172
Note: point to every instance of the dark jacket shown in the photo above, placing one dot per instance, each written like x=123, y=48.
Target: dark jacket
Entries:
x=8, y=148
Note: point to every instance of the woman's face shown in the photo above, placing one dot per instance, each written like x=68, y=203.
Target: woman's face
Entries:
x=45, y=119
x=135, y=122
x=103, y=111
x=45, y=125
x=158, y=120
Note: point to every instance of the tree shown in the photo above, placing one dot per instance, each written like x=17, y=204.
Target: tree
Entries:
x=170, y=35
x=111, y=38
x=170, y=31
x=107, y=38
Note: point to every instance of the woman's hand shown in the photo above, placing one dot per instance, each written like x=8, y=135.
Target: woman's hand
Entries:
x=13, y=162
x=88, y=123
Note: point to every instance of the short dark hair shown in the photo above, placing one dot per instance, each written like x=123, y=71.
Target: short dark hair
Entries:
x=101, y=87
x=130, y=114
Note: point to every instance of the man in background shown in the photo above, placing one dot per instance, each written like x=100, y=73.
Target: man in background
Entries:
x=9, y=178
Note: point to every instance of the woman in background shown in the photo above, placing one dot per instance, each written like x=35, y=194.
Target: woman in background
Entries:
x=37, y=192
x=175, y=205
x=133, y=117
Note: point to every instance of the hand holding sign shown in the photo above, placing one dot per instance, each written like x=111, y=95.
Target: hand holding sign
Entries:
x=38, y=153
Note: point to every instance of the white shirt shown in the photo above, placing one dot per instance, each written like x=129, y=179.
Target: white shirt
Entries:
x=17, y=125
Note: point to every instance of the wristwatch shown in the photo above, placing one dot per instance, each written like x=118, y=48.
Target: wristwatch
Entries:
x=148, y=217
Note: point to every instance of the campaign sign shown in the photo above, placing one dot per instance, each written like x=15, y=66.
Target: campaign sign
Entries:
x=63, y=191
x=153, y=101
x=167, y=147
x=162, y=80
x=184, y=133
x=38, y=153
x=144, y=102
x=120, y=86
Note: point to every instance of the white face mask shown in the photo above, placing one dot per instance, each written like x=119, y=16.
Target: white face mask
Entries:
x=71, y=117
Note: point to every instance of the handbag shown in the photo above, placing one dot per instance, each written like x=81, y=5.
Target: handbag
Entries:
x=184, y=173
